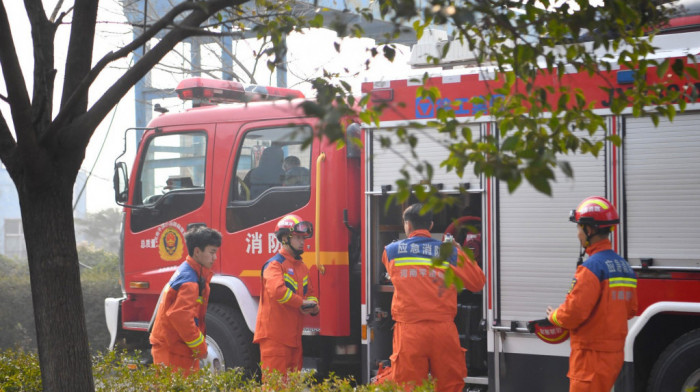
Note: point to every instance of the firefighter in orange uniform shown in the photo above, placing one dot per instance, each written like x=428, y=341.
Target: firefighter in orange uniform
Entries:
x=287, y=295
x=425, y=335
x=602, y=297
x=178, y=335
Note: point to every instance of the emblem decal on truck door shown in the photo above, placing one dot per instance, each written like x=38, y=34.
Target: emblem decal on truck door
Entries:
x=170, y=241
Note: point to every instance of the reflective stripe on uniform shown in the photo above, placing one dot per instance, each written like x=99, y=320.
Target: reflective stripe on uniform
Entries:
x=293, y=283
x=554, y=318
x=287, y=297
x=419, y=261
x=622, y=282
x=196, y=342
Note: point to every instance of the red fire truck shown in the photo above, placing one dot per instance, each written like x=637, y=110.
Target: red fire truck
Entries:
x=195, y=167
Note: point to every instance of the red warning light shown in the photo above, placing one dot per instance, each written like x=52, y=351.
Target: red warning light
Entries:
x=203, y=91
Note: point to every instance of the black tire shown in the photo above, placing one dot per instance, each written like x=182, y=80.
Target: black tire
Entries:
x=678, y=366
x=231, y=336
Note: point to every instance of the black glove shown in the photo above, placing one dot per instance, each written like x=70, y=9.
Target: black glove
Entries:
x=543, y=322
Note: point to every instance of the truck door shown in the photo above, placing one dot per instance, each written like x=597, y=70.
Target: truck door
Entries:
x=168, y=193
x=269, y=177
x=271, y=173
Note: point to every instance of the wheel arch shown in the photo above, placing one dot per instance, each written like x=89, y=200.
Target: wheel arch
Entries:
x=654, y=330
x=231, y=291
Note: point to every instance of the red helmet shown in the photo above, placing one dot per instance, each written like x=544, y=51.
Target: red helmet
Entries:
x=293, y=224
x=595, y=211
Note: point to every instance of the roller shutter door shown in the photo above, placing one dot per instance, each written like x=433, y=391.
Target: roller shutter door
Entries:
x=386, y=162
x=538, y=247
x=662, y=190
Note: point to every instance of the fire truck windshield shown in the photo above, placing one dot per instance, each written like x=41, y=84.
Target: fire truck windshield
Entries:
x=172, y=162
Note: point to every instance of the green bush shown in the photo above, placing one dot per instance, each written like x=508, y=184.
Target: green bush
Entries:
x=19, y=371
x=117, y=371
x=99, y=280
x=17, y=324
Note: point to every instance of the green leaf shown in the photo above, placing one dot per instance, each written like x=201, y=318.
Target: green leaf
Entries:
x=678, y=67
x=514, y=183
x=316, y=21
x=662, y=69
x=616, y=140
x=566, y=168
x=511, y=143
x=389, y=53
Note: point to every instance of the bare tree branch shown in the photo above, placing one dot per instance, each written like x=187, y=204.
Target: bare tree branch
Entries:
x=81, y=89
x=17, y=95
x=7, y=142
x=43, y=34
x=200, y=13
x=249, y=73
x=55, y=11
x=79, y=56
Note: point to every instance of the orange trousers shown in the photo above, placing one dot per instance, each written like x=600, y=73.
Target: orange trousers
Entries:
x=428, y=348
x=186, y=364
x=594, y=371
x=279, y=357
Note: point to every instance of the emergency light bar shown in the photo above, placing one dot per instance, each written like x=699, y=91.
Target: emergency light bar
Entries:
x=269, y=92
x=204, y=91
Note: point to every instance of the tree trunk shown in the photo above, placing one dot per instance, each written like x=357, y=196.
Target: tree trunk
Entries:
x=47, y=216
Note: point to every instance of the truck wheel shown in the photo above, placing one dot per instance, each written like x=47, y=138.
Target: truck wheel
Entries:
x=230, y=341
x=678, y=366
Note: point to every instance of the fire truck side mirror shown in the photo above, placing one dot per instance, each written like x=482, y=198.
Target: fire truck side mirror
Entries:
x=121, y=181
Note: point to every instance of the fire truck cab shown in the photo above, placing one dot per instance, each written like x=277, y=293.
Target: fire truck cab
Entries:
x=224, y=166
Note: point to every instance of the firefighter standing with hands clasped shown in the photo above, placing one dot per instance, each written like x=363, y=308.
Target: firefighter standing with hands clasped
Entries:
x=426, y=340
x=286, y=296
x=178, y=335
x=602, y=297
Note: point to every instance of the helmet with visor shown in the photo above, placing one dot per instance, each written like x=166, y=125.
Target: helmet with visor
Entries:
x=292, y=224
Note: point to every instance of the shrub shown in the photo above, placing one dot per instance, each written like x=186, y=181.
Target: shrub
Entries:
x=17, y=324
x=19, y=371
x=118, y=371
x=99, y=280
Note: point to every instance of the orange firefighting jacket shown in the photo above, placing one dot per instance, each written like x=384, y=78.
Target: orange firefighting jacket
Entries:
x=603, y=296
x=179, y=325
x=285, y=285
x=419, y=289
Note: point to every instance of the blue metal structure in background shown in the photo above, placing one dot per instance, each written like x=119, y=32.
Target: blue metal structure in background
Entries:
x=143, y=13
